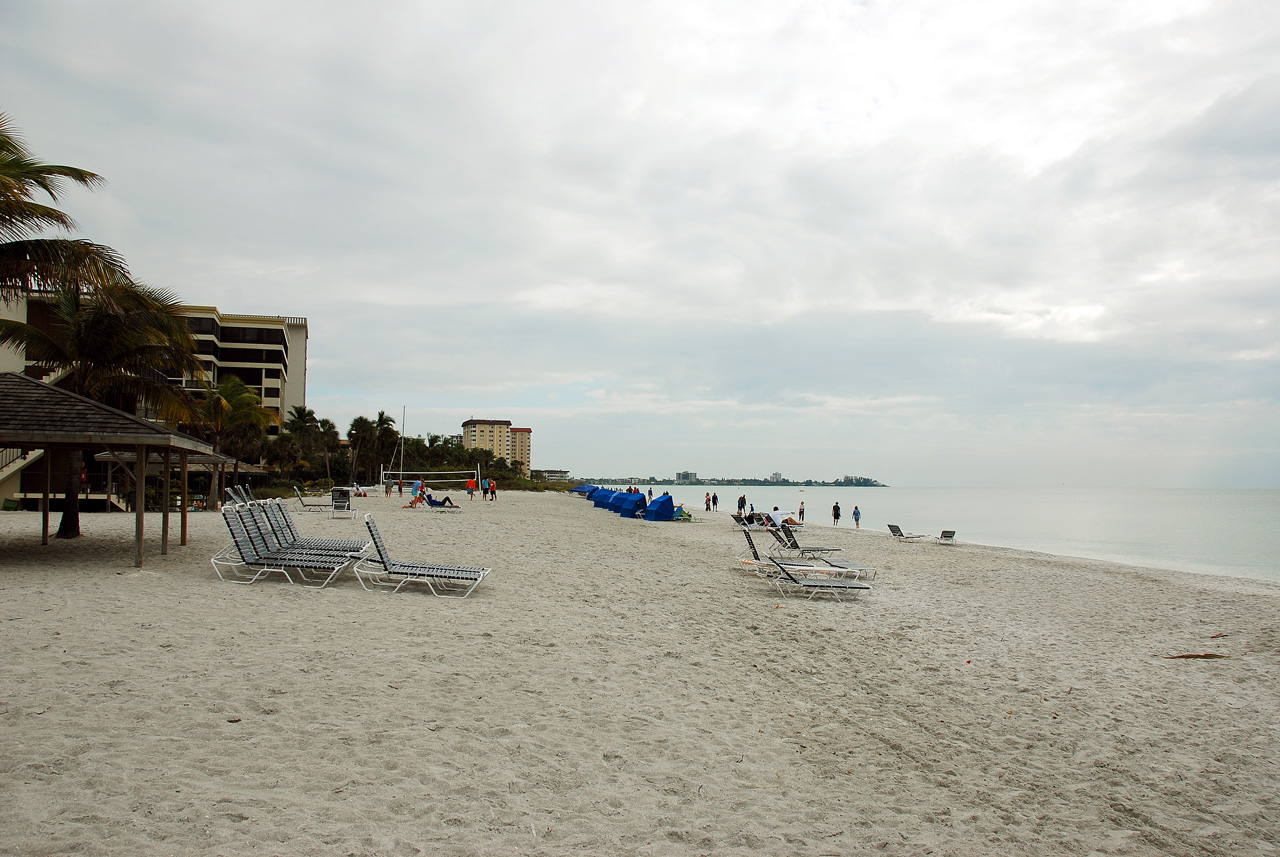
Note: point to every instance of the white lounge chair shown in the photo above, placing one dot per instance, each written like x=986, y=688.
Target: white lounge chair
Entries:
x=905, y=537
x=246, y=559
x=381, y=571
x=948, y=537
x=305, y=505
x=787, y=582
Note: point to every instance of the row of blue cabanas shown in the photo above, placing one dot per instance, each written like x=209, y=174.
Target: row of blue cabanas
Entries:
x=633, y=505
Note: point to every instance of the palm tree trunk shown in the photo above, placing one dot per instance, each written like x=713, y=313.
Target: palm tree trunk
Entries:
x=69, y=526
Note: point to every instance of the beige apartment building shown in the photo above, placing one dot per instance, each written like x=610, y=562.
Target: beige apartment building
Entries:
x=500, y=438
x=267, y=352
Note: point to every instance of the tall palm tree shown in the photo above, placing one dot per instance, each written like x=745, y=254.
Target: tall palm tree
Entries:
x=230, y=409
x=329, y=440
x=117, y=345
x=305, y=428
x=388, y=437
x=363, y=435
x=29, y=263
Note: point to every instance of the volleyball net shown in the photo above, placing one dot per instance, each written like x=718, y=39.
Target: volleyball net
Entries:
x=430, y=477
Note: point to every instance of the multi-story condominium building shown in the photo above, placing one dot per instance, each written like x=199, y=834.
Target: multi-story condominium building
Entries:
x=500, y=438
x=268, y=353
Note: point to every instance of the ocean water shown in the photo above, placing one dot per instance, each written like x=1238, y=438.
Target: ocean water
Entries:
x=1213, y=532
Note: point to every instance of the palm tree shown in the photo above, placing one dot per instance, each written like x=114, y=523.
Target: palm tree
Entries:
x=329, y=440
x=117, y=345
x=305, y=428
x=31, y=264
x=388, y=437
x=231, y=409
x=362, y=434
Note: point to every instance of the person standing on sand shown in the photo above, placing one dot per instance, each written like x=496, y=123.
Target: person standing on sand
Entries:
x=715, y=502
x=708, y=502
x=801, y=512
x=400, y=485
x=493, y=490
x=471, y=489
x=835, y=514
x=857, y=518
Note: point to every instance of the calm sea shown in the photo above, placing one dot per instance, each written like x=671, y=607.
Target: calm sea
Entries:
x=1213, y=532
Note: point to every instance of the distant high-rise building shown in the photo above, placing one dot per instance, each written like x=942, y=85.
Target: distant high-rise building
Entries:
x=500, y=438
x=686, y=476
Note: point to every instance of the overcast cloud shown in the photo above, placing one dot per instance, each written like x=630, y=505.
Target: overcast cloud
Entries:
x=927, y=241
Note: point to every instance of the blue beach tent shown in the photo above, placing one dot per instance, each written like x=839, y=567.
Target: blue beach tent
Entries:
x=616, y=501
x=661, y=509
x=631, y=506
x=583, y=489
x=602, y=497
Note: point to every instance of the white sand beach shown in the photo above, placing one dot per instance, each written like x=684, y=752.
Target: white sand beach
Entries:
x=620, y=687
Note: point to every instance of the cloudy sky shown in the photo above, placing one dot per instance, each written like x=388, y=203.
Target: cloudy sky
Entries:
x=935, y=242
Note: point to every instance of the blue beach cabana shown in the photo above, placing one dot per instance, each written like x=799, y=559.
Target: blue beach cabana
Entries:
x=661, y=509
x=584, y=490
x=601, y=497
x=631, y=506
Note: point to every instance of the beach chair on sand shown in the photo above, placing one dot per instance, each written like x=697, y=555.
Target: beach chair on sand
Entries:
x=246, y=559
x=311, y=506
x=379, y=570
x=905, y=537
x=787, y=582
x=788, y=538
x=948, y=537
x=286, y=532
x=763, y=565
x=238, y=494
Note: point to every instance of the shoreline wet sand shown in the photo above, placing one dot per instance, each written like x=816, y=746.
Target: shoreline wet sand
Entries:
x=620, y=687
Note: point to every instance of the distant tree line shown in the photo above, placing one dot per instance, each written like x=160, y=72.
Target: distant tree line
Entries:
x=309, y=450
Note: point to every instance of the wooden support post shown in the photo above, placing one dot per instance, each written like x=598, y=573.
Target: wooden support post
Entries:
x=182, y=458
x=44, y=503
x=164, y=514
x=140, y=503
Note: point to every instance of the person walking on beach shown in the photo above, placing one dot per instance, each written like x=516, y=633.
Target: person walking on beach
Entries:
x=742, y=504
x=400, y=486
x=471, y=489
x=708, y=502
x=493, y=490
x=801, y=512
x=835, y=514
x=715, y=502
x=857, y=518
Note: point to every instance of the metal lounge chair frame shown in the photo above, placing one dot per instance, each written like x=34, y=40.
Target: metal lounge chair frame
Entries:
x=304, y=506
x=764, y=565
x=286, y=532
x=788, y=538
x=243, y=562
x=785, y=581
x=905, y=537
x=342, y=501
x=380, y=571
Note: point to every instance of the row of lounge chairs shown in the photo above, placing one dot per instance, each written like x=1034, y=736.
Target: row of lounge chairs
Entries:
x=948, y=537
x=792, y=568
x=264, y=539
x=340, y=502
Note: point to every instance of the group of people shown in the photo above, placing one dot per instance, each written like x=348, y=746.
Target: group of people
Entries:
x=713, y=502
x=835, y=515
x=421, y=494
x=488, y=489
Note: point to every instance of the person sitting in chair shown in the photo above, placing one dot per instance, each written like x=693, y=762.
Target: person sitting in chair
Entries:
x=432, y=501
